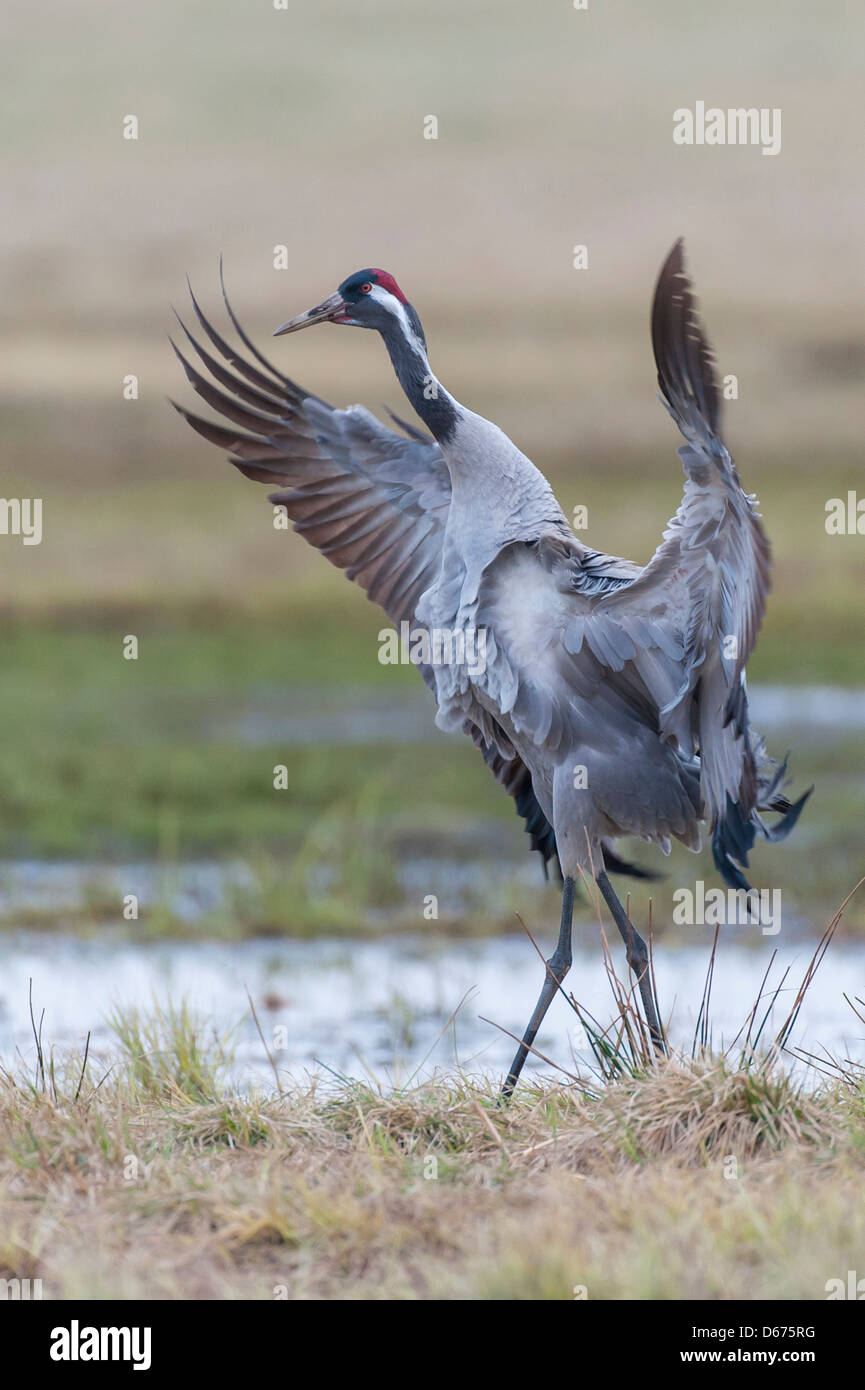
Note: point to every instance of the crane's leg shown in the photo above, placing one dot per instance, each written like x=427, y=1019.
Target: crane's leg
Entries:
x=557, y=968
x=638, y=957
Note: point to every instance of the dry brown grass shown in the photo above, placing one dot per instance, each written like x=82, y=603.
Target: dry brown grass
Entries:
x=695, y=1180
x=703, y=1176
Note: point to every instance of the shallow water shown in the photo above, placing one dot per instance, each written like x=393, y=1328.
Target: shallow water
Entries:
x=363, y=716
x=382, y=1005
x=381, y=1008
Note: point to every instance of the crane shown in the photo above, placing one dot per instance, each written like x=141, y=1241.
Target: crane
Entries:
x=611, y=698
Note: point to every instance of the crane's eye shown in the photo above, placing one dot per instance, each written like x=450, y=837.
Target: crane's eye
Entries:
x=365, y=289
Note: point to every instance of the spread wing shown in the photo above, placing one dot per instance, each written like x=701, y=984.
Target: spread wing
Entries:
x=708, y=581
x=373, y=501
x=610, y=647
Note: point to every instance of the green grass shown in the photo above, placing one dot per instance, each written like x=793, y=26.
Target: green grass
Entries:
x=116, y=760
x=169, y=1052
x=135, y=754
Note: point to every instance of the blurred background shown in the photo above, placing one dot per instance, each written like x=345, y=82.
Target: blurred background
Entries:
x=303, y=127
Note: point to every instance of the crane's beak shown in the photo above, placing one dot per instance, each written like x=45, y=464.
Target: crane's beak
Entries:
x=331, y=310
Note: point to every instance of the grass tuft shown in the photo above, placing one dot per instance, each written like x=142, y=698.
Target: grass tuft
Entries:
x=170, y=1053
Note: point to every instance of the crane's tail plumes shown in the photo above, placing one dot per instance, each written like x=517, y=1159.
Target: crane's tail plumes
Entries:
x=735, y=833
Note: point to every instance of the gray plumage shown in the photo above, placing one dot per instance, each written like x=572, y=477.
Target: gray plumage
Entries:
x=612, y=701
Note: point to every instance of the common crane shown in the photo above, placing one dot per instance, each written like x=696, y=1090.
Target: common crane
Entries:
x=611, y=700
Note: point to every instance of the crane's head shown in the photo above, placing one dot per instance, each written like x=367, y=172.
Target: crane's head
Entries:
x=367, y=299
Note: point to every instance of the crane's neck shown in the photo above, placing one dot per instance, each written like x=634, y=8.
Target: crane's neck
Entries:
x=406, y=345
x=490, y=478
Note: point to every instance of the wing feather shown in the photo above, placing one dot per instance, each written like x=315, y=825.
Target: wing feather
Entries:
x=374, y=502
x=665, y=646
